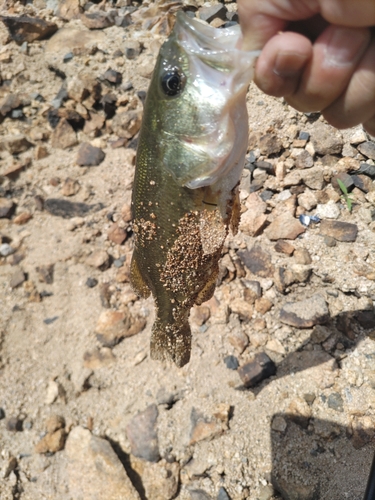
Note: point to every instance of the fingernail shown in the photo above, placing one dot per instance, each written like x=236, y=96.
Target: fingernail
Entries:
x=289, y=64
x=344, y=46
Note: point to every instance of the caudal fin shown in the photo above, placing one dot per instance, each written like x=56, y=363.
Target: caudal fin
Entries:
x=171, y=342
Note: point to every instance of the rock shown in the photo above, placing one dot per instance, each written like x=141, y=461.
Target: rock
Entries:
x=257, y=260
x=211, y=12
x=313, y=177
x=63, y=137
x=242, y=308
x=94, y=125
x=54, y=423
x=6, y=249
x=199, y=495
x=367, y=149
x=117, y=234
x=51, y=442
x=304, y=160
x=207, y=428
x=40, y=152
x=292, y=179
x=68, y=9
x=45, y=273
x=305, y=313
x=238, y=339
x=28, y=29
x=99, y=259
x=291, y=490
x=9, y=103
x=307, y=200
x=98, y=358
x=89, y=155
x=253, y=225
x=329, y=210
x=200, y=314
x=91, y=282
x=127, y=124
x=341, y=231
x=15, y=144
x=6, y=208
x=231, y=362
x=263, y=305
x=142, y=434
x=269, y=144
x=302, y=256
x=94, y=470
x=279, y=424
x=70, y=187
x=284, y=227
x=112, y=326
x=18, y=277
x=284, y=247
x=223, y=495
x=320, y=334
x=358, y=136
x=257, y=370
x=335, y=402
x=345, y=178
x=367, y=169
x=363, y=182
x=160, y=480
x=69, y=209
x=326, y=139
x=54, y=390
x=299, y=412
x=98, y=20
x=252, y=290
x=14, y=424
x=113, y=76
x=329, y=241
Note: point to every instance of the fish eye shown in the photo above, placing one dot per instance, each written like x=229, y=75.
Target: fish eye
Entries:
x=173, y=82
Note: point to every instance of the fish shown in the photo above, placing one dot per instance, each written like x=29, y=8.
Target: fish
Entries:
x=190, y=155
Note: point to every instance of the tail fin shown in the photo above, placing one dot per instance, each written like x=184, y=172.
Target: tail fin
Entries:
x=171, y=342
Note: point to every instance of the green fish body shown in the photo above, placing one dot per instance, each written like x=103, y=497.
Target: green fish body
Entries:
x=190, y=156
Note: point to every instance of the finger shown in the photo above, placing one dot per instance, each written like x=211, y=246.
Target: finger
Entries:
x=358, y=13
x=281, y=63
x=336, y=54
x=357, y=103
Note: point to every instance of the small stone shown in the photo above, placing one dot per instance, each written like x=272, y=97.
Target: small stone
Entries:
x=263, y=305
x=28, y=29
x=70, y=187
x=98, y=358
x=253, y=225
x=293, y=490
x=49, y=321
x=89, y=155
x=159, y=480
x=51, y=442
x=329, y=241
x=326, y=139
x=91, y=282
x=239, y=340
x=45, y=273
x=231, y=362
x=223, y=495
x=142, y=434
x=367, y=149
x=98, y=20
x=112, y=326
x=335, y=402
x=341, y=231
x=320, y=334
x=18, y=277
x=284, y=247
x=203, y=428
x=363, y=182
x=242, y=308
x=69, y=209
x=6, y=249
x=329, y=210
x=358, y=136
x=200, y=314
x=279, y=424
x=113, y=76
x=256, y=370
x=313, y=177
x=304, y=160
x=14, y=424
x=22, y=218
x=367, y=169
x=64, y=136
x=284, y=227
x=6, y=208
x=199, y=495
x=252, y=290
x=307, y=200
x=117, y=234
x=94, y=125
x=99, y=259
x=126, y=124
x=257, y=260
x=305, y=313
x=2, y=413
x=40, y=152
x=269, y=144
x=53, y=391
x=302, y=256
x=15, y=144
x=299, y=412
x=211, y=12
x=94, y=470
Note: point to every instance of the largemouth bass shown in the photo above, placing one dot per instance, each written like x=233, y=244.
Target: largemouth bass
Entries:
x=191, y=152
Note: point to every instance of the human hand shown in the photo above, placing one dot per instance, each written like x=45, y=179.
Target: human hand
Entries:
x=319, y=55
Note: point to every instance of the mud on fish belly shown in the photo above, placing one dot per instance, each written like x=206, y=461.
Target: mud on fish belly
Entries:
x=190, y=156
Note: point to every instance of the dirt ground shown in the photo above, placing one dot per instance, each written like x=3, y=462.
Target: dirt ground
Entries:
x=84, y=412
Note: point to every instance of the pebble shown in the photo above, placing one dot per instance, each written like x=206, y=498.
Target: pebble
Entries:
x=258, y=261
x=6, y=208
x=113, y=326
x=15, y=144
x=263, y=305
x=206, y=428
x=305, y=313
x=358, y=136
x=117, y=234
x=329, y=241
x=94, y=470
x=367, y=169
x=28, y=29
x=362, y=182
x=45, y=273
x=291, y=490
x=52, y=442
x=284, y=227
x=49, y=321
x=223, y=494
x=258, y=369
x=231, y=362
x=335, y=402
x=159, y=480
x=6, y=249
x=89, y=155
x=304, y=160
x=69, y=209
x=142, y=434
x=279, y=424
x=64, y=136
x=70, y=187
x=113, y=76
x=326, y=139
x=302, y=256
x=313, y=177
x=238, y=339
x=14, y=424
x=18, y=277
x=299, y=412
x=329, y=210
x=252, y=290
x=341, y=231
x=98, y=358
x=283, y=246
x=304, y=136
x=99, y=259
x=367, y=149
x=199, y=495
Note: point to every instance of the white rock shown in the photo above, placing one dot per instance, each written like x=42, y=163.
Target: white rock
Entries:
x=329, y=210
